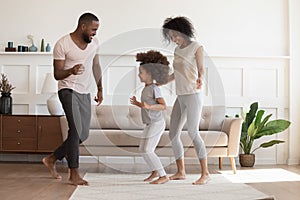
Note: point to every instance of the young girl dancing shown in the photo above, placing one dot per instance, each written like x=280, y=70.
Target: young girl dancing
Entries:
x=188, y=73
x=153, y=71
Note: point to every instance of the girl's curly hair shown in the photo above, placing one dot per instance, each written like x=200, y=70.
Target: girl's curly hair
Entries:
x=156, y=64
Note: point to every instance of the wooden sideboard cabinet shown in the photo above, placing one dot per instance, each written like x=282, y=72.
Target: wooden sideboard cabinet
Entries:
x=49, y=133
x=0, y=133
x=30, y=133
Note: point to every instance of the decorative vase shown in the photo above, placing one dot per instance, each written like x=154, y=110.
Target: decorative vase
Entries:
x=48, y=47
x=6, y=103
x=32, y=48
x=247, y=160
x=42, y=45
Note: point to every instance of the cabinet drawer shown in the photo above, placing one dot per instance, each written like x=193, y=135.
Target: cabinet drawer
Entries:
x=19, y=126
x=13, y=144
x=19, y=132
x=18, y=121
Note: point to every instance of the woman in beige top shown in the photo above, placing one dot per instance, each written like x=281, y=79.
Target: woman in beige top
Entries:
x=188, y=73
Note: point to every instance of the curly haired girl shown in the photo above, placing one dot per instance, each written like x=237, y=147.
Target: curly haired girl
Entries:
x=153, y=71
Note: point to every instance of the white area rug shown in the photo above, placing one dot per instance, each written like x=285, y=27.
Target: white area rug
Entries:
x=260, y=175
x=132, y=187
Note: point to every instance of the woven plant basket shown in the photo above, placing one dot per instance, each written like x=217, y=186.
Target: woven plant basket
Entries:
x=247, y=160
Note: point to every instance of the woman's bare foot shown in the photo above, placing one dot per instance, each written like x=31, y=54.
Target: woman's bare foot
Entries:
x=152, y=176
x=202, y=180
x=178, y=176
x=75, y=178
x=160, y=180
x=49, y=162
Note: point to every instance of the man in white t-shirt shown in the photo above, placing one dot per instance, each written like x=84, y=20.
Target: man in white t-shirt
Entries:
x=76, y=66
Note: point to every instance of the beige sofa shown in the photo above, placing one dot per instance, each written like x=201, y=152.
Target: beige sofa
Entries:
x=115, y=131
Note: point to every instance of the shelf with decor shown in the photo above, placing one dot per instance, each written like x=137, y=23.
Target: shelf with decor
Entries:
x=24, y=53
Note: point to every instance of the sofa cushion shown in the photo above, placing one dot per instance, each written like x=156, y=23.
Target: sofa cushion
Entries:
x=132, y=138
x=129, y=117
x=116, y=117
x=212, y=117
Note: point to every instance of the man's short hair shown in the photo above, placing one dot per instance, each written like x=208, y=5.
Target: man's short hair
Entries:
x=87, y=18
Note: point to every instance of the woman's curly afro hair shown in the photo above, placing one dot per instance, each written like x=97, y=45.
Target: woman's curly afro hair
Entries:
x=180, y=24
x=156, y=64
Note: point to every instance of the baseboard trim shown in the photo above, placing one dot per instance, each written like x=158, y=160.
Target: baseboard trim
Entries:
x=293, y=161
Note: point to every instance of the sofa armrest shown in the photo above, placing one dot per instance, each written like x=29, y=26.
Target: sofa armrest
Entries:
x=232, y=127
x=64, y=127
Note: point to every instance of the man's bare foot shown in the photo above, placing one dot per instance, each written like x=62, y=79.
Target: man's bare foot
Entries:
x=75, y=178
x=152, y=176
x=160, y=180
x=202, y=180
x=78, y=181
x=177, y=176
x=49, y=162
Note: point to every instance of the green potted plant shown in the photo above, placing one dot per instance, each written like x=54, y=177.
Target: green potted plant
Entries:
x=255, y=127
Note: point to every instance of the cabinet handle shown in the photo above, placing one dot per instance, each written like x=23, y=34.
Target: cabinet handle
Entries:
x=19, y=120
x=18, y=143
x=40, y=131
x=19, y=131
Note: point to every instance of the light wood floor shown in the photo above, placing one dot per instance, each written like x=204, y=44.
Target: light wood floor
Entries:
x=32, y=181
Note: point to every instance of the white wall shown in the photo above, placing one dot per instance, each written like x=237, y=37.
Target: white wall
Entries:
x=247, y=41
x=231, y=27
x=294, y=147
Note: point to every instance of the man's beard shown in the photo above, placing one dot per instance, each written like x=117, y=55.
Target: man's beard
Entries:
x=86, y=38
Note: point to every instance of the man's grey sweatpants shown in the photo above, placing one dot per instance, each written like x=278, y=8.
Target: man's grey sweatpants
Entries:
x=77, y=108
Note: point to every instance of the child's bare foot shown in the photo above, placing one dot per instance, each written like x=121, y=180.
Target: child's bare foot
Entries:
x=75, y=178
x=160, y=180
x=49, y=162
x=177, y=176
x=202, y=180
x=152, y=176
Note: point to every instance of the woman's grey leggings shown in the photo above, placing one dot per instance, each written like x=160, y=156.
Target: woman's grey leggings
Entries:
x=187, y=108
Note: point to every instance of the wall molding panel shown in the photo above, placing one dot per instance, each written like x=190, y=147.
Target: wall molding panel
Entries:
x=243, y=79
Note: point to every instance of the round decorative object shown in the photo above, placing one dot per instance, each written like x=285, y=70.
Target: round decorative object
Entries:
x=247, y=160
x=6, y=103
x=54, y=106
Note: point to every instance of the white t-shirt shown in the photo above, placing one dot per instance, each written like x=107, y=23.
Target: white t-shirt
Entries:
x=185, y=69
x=66, y=49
